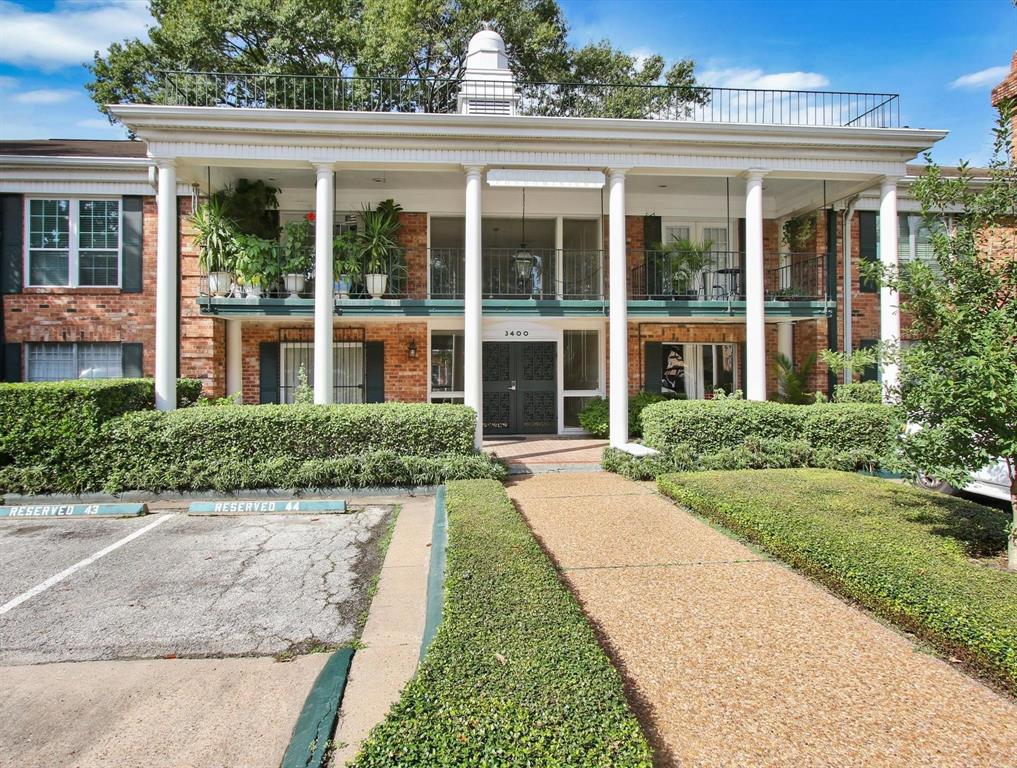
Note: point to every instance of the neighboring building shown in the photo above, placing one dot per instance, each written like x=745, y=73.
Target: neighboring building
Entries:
x=528, y=280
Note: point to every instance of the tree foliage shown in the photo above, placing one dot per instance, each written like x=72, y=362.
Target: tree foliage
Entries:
x=959, y=377
x=384, y=38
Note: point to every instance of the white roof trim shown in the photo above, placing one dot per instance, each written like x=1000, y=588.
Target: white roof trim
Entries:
x=525, y=177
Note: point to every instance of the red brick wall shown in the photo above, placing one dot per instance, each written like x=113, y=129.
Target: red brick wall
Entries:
x=413, y=237
x=405, y=378
x=1008, y=90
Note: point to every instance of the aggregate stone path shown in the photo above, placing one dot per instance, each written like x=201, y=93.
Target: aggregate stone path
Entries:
x=732, y=659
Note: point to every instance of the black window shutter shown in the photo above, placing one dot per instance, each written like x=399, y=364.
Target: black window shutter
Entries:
x=652, y=366
x=132, y=356
x=374, y=354
x=268, y=372
x=869, y=372
x=11, y=243
x=131, y=261
x=867, y=247
x=741, y=237
x=652, y=232
x=12, y=362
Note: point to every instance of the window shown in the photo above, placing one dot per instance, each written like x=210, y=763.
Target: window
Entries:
x=697, y=371
x=581, y=371
x=446, y=366
x=57, y=362
x=348, y=370
x=73, y=243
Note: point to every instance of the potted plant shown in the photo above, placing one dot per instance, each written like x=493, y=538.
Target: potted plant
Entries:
x=296, y=255
x=217, y=244
x=686, y=259
x=377, y=246
x=346, y=263
x=257, y=264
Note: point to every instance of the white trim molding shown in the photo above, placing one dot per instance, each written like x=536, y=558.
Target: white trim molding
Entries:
x=527, y=177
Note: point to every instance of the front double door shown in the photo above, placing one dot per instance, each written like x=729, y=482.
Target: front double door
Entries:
x=520, y=387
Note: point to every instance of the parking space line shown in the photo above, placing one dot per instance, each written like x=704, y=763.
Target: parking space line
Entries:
x=57, y=578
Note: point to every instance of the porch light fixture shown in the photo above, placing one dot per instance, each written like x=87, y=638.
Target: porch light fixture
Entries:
x=522, y=258
x=411, y=350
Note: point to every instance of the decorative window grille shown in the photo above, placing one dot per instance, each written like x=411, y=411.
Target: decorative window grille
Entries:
x=349, y=363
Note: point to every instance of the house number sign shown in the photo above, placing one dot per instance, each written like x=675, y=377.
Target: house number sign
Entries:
x=518, y=334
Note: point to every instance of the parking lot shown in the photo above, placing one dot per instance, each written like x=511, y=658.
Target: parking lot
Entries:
x=181, y=622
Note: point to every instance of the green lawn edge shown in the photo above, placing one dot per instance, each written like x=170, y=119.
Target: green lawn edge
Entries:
x=515, y=675
x=908, y=555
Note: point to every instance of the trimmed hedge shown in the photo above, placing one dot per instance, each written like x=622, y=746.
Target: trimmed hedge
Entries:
x=726, y=434
x=52, y=425
x=902, y=552
x=515, y=675
x=595, y=417
x=858, y=392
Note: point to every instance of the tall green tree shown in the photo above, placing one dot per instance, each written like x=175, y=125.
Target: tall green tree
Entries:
x=959, y=377
x=386, y=38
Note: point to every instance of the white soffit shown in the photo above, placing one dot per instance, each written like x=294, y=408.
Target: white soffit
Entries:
x=524, y=177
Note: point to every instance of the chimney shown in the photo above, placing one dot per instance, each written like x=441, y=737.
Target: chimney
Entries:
x=1008, y=90
x=488, y=87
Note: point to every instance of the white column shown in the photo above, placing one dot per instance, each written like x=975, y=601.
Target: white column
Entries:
x=166, y=288
x=889, y=317
x=755, y=319
x=618, y=417
x=234, y=357
x=785, y=340
x=473, y=386
x=324, y=303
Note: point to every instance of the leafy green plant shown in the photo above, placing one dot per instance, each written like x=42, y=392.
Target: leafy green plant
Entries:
x=858, y=392
x=793, y=381
x=376, y=241
x=303, y=394
x=515, y=675
x=253, y=206
x=215, y=236
x=909, y=555
x=257, y=261
x=296, y=247
x=798, y=231
x=346, y=256
x=595, y=416
x=854, y=362
x=684, y=261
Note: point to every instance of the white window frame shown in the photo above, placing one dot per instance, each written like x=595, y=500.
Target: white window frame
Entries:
x=74, y=357
x=695, y=383
x=73, y=263
x=442, y=394
x=600, y=391
x=696, y=229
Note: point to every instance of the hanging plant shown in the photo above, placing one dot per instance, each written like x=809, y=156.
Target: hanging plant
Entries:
x=799, y=231
x=253, y=206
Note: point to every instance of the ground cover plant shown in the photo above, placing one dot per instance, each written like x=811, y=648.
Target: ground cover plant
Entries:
x=595, y=416
x=928, y=562
x=515, y=675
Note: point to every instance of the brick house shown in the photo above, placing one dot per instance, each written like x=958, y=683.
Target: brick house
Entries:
x=529, y=274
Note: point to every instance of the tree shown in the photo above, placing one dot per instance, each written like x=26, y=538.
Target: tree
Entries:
x=958, y=379
x=425, y=39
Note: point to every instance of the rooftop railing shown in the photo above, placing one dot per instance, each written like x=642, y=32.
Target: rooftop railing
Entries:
x=441, y=96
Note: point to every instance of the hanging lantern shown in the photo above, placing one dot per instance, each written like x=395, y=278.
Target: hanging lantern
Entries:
x=522, y=259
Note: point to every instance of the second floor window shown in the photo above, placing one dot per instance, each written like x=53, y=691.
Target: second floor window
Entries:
x=73, y=243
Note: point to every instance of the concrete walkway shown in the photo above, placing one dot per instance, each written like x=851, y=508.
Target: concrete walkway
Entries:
x=732, y=659
x=543, y=453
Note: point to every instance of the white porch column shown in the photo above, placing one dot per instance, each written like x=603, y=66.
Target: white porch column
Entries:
x=234, y=357
x=324, y=304
x=785, y=340
x=755, y=320
x=166, y=288
x=473, y=386
x=618, y=417
x=889, y=317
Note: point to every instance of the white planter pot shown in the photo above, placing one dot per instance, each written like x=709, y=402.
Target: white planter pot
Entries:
x=219, y=283
x=294, y=284
x=252, y=291
x=376, y=285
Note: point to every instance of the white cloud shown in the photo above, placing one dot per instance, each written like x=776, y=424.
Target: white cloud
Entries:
x=641, y=55
x=46, y=96
x=735, y=77
x=983, y=78
x=69, y=33
x=100, y=124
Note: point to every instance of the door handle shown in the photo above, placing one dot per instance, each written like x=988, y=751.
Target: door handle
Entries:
x=512, y=386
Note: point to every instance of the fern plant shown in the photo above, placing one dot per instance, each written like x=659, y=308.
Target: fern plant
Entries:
x=793, y=380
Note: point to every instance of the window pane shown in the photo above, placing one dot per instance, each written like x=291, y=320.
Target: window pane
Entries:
x=99, y=224
x=98, y=268
x=47, y=268
x=348, y=372
x=573, y=405
x=447, y=362
x=100, y=361
x=49, y=223
x=582, y=360
x=672, y=233
x=717, y=237
x=294, y=357
x=673, y=369
x=50, y=362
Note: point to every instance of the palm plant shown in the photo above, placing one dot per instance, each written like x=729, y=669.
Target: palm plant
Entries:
x=377, y=240
x=216, y=237
x=792, y=381
x=686, y=259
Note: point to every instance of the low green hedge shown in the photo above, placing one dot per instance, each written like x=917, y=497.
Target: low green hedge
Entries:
x=904, y=553
x=727, y=434
x=858, y=392
x=595, y=417
x=515, y=675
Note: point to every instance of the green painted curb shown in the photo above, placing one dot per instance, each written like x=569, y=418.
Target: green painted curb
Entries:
x=436, y=572
x=23, y=511
x=314, y=728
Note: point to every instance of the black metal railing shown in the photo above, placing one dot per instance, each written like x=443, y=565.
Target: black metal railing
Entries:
x=515, y=273
x=796, y=277
x=443, y=96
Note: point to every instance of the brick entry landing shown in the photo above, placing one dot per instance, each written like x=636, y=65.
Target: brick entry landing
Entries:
x=541, y=452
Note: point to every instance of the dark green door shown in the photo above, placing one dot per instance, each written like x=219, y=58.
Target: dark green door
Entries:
x=520, y=387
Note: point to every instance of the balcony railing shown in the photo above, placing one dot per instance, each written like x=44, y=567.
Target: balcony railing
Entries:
x=514, y=273
x=441, y=96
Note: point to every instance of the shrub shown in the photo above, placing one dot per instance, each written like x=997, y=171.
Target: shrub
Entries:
x=644, y=467
x=904, y=553
x=595, y=416
x=515, y=675
x=858, y=392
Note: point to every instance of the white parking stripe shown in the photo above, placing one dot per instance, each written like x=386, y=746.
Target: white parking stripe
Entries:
x=57, y=578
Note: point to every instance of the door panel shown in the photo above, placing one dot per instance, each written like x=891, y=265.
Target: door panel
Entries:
x=520, y=387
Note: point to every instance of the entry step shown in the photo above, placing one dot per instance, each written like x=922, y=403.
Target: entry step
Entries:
x=268, y=507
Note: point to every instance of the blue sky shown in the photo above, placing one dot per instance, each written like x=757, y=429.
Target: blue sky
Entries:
x=942, y=56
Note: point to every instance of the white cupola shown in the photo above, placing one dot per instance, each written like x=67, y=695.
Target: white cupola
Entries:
x=489, y=86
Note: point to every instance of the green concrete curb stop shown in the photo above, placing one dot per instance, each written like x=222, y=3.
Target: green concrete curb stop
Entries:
x=435, y=572
x=311, y=735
